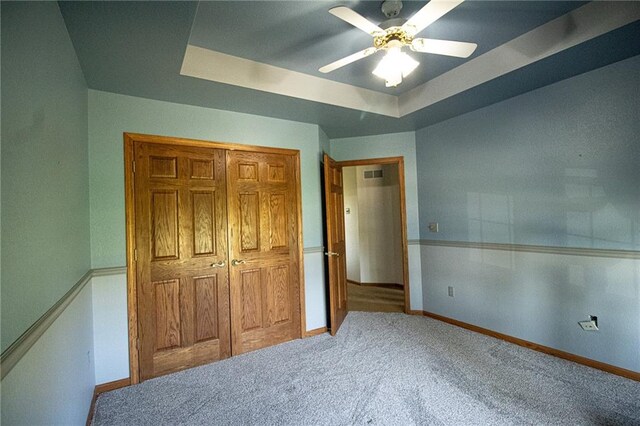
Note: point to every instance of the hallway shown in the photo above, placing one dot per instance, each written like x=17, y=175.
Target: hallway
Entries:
x=375, y=298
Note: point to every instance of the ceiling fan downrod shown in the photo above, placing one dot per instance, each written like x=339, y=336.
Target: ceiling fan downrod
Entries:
x=391, y=8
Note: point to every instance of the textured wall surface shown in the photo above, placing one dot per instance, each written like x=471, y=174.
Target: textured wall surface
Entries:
x=540, y=297
x=379, y=227
x=351, y=223
x=45, y=177
x=110, y=115
x=325, y=142
x=558, y=166
x=110, y=327
x=54, y=381
x=393, y=145
x=379, y=146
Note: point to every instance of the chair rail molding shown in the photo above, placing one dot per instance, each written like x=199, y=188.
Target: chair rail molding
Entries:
x=14, y=353
x=572, y=251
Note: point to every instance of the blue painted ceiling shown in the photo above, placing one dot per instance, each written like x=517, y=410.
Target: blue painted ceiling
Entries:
x=137, y=48
x=303, y=36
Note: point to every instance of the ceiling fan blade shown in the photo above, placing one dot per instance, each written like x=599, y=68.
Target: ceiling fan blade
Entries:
x=460, y=49
x=430, y=13
x=345, y=61
x=355, y=19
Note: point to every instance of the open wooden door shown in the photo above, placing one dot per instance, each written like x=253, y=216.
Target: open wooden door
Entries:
x=336, y=249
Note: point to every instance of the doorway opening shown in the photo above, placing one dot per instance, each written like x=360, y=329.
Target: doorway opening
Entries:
x=366, y=238
x=373, y=238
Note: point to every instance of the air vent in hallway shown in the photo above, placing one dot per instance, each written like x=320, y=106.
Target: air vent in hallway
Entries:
x=373, y=174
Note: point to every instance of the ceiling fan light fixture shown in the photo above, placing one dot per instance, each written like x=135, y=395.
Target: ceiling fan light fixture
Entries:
x=396, y=33
x=395, y=66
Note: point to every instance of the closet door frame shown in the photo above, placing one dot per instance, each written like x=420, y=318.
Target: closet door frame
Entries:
x=130, y=141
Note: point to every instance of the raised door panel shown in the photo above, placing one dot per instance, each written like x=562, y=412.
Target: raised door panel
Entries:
x=202, y=169
x=206, y=308
x=167, y=304
x=164, y=224
x=265, y=288
x=278, y=223
x=251, y=300
x=163, y=167
x=182, y=273
x=279, y=308
x=249, y=211
x=247, y=171
x=203, y=209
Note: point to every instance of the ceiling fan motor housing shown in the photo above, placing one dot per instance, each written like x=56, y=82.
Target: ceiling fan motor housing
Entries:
x=391, y=34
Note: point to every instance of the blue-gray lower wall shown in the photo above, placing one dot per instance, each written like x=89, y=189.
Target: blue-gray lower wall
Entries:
x=540, y=297
x=110, y=327
x=53, y=382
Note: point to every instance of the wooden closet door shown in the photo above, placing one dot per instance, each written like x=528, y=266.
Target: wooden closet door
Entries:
x=262, y=202
x=181, y=245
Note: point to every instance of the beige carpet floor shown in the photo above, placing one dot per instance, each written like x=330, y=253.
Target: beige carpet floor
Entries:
x=381, y=369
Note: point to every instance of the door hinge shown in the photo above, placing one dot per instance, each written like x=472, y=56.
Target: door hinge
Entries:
x=138, y=344
x=134, y=166
x=135, y=254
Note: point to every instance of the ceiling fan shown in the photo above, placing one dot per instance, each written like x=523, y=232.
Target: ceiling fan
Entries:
x=395, y=34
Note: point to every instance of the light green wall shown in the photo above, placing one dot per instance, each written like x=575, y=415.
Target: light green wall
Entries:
x=390, y=145
x=45, y=179
x=325, y=143
x=110, y=115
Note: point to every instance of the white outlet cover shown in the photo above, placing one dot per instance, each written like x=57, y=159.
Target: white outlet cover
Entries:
x=588, y=325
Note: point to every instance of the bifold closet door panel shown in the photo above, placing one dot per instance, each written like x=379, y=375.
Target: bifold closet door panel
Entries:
x=182, y=254
x=263, y=250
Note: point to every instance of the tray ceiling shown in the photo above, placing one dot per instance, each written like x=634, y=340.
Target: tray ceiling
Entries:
x=261, y=57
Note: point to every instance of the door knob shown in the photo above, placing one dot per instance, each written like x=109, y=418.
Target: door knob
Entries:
x=220, y=264
x=331, y=253
x=236, y=262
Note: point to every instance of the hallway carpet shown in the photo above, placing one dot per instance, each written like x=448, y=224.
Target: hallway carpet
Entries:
x=384, y=369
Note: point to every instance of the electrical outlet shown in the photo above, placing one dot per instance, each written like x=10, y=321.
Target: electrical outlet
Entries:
x=450, y=291
x=588, y=325
x=433, y=227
